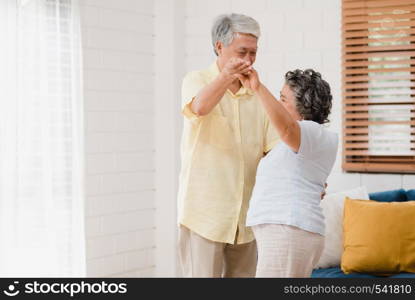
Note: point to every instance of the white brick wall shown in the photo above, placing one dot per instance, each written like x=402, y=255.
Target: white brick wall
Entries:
x=118, y=37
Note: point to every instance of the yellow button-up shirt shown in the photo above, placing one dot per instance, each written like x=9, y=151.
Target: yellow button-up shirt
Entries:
x=220, y=153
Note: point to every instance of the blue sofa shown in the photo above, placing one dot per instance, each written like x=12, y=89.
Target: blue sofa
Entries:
x=387, y=196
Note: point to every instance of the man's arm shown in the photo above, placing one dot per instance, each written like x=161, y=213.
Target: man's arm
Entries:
x=211, y=94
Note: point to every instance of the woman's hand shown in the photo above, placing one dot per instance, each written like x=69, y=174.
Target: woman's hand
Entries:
x=250, y=80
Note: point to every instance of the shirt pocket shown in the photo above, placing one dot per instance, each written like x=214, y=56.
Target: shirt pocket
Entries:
x=217, y=132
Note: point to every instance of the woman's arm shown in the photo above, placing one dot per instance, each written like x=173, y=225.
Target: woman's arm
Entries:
x=286, y=126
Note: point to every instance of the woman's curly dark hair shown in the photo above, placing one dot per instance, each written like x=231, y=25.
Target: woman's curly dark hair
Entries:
x=312, y=93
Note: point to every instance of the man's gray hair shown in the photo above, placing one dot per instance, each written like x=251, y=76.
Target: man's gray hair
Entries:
x=226, y=26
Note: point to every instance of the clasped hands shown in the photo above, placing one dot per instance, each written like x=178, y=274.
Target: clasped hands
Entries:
x=237, y=68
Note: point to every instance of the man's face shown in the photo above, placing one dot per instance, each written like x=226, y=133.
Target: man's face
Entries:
x=243, y=46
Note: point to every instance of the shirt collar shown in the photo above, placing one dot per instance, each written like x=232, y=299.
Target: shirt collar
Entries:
x=214, y=71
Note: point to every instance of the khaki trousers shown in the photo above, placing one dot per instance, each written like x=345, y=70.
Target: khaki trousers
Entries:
x=200, y=257
x=286, y=251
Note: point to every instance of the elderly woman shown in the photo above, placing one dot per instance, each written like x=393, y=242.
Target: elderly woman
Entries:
x=284, y=211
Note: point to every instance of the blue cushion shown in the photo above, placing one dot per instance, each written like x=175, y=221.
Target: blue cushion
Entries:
x=410, y=194
x=338, y=273
x=389, y=196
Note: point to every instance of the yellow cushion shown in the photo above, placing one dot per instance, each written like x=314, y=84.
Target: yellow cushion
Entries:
x=378, y=237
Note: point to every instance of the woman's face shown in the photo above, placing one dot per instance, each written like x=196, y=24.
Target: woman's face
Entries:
x=287, y=99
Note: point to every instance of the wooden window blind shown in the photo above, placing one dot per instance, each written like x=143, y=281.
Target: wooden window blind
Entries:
x=378, y=84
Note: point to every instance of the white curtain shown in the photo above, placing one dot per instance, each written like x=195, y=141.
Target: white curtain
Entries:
x=41, y=142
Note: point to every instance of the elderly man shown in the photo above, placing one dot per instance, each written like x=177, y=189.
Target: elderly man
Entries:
x=226, y=133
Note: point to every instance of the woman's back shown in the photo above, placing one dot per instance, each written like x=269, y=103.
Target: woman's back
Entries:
x=289, y=185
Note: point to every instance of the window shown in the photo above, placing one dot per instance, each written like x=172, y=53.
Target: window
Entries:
x=378, y=85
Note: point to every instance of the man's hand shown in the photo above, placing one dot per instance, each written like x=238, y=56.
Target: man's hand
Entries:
x=236, y=66
x=324, y=192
